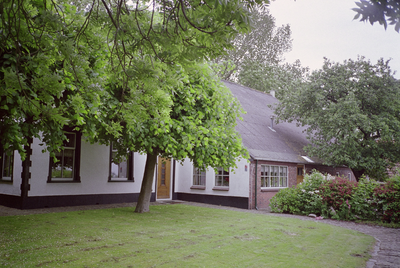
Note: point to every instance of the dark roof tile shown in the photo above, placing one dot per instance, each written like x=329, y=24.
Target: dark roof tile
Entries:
x=284, y=143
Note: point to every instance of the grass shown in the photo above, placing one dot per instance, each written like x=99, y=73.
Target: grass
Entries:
x=176, y=236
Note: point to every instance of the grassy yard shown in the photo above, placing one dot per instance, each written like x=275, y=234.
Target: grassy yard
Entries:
x=176, y=236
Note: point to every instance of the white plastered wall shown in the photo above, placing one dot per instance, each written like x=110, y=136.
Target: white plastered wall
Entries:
x=238, y=180
x=93, y=172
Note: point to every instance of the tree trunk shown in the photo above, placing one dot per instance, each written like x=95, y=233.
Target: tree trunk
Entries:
x=143, y=204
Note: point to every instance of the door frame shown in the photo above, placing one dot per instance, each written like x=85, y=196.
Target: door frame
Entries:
x=297, y=173
x=169, y=172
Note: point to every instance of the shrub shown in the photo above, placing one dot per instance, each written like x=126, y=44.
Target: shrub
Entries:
x=341, y=199
x=387, y=200
x=311, y=201
x=362, y=199
x=286, y=201
x=302, y=199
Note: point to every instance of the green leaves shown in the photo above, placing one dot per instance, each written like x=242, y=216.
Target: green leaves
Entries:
x=381, y=11
x=120, y=71
x=351, y=112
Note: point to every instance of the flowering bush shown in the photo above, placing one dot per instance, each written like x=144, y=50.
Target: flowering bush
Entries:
x=341, y=199
x=387, y=200
x=309, y=194
x=303, y=199
x=335, y=197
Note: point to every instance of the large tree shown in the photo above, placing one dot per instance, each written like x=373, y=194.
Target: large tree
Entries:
x=112, y=70
x=351, y=111
x=201, y=127
x=50, y=76
x=381, y=11
x=57, y=56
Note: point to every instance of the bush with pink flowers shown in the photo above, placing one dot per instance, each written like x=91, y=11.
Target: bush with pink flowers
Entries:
x=387, y=200
x=341, y=199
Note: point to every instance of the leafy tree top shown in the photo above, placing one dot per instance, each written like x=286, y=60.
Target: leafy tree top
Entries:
x=352, y=114
x=61, y=60
x=200, y=125
x=381, y=11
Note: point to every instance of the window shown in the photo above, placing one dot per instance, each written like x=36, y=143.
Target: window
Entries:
x=6, y=165
x=122, y=169
x=273, y=176
x=300, y=171
x=199, y=177
x=67, y=164
x=222, y=177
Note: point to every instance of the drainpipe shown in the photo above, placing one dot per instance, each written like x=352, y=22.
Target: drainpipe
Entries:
x=173, y=181
x=255, y=183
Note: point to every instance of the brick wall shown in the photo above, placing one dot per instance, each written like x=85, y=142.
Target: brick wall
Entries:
x=264, y=195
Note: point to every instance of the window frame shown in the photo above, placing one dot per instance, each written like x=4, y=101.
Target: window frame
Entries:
x=3, y=158
x=76, y=161
x=218, y=176
x=130, y=165
x=269, y=180
x=199, y=176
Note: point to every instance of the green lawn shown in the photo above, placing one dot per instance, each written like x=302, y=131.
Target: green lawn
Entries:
x=176, y=236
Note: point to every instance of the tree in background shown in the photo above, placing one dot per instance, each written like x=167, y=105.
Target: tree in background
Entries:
x=255, y=53
x=379, y=11
x=352, y=115
x=278, y=78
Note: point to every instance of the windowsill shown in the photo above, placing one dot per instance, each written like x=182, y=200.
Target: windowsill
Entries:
x=221, y=188
x=198, y=187
x=63, y=181
x=6, y=181
x=121, y=180
x=271, y=189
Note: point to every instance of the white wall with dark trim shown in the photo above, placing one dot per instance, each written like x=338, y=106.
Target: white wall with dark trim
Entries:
x=238, y=180
x=94, y=172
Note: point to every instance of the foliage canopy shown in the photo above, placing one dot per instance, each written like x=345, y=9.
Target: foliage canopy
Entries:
x=255, y=55
x=352, y=114
x=381, y=11
x=61, y=61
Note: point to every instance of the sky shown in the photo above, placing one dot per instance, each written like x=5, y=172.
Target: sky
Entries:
x=325, y=28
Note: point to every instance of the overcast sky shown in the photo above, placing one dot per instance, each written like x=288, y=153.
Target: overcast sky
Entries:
x=325, y=28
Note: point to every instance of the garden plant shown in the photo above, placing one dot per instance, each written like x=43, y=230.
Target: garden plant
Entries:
x=341, y=199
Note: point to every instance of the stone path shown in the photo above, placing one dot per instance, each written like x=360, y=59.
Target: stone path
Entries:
x=385, y=254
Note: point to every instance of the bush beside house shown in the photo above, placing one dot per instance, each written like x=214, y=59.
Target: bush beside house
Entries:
x=338, y=198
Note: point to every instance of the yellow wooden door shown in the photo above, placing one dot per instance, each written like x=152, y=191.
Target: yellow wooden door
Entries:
x=163, y=178
x=300, y=173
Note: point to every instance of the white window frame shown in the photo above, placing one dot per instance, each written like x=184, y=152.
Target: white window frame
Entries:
x=199, y=177
x=220, y=177
x=276, y=177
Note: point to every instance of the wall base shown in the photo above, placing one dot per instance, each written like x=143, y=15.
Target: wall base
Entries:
x=33, y=202
x=230, y=201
